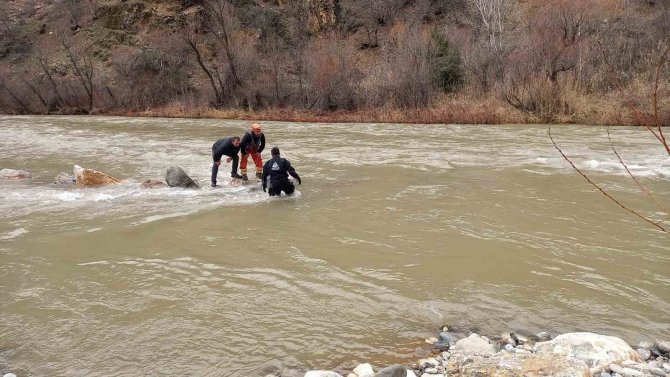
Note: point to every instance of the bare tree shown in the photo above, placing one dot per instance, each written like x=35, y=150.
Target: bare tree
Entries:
x=220, y=21
x=83, y=68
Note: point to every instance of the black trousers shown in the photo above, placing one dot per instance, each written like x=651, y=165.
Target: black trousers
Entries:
x=278, y=187
x=215, y=168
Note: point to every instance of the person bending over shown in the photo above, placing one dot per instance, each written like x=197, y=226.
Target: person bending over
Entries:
x=253, y=143
x=275, y=175
x=230, y=147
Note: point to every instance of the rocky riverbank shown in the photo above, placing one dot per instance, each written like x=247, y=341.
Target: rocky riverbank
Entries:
x=567, y=355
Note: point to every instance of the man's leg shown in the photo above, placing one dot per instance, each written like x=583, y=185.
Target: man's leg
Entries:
x=272, y=192
x=243, y=164
x=215, y=171
x=288, y=188
x=236, y=160
x=258, y=160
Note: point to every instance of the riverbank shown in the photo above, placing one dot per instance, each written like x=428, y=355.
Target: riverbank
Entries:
x=512, y=354
x=608, y=110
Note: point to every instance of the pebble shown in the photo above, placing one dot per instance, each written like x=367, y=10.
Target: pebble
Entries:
x=9, y=375
x=520, y=339
x=446, y=355
x=509, y=348
x=507, y=338
x=663, y=346
x=645, y=345
x=431, y=370
x=605, y=374
x=364, y=370
x=428, y=363
x=657, y=372
x=410, y=373
x=644, y=353
x=543, y=336
x=615, y=368
x=666, y=366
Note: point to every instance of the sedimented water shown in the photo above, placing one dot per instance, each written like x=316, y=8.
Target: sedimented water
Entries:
x=397, y=229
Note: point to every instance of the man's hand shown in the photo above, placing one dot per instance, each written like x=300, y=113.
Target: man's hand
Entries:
x=264, y=189
x=218, y=163
x=229, y=159
x=299, y=181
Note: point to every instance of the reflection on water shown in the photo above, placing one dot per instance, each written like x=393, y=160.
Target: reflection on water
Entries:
x=398, y=229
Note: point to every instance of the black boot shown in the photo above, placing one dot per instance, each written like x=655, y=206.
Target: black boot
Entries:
x=235, y=175
x=244, y=177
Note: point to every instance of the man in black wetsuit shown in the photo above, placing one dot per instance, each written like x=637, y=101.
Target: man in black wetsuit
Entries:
x=230, y=147
x=276, y=171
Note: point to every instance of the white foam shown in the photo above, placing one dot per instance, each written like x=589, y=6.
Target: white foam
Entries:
x=13, y=234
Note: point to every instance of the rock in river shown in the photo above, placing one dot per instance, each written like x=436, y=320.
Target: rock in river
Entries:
x=593, y=349
x=395, y=370
x=152, y=183
x=177, y=177
x=364, y=370
x=92, y=178
x=14, y=174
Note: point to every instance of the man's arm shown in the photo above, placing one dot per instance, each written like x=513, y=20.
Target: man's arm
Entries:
x=264, y=177
x=292, y=172
x=262, y=143
x=245, y=141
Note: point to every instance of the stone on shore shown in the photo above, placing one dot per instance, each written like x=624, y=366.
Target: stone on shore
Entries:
x=64, y=179
x=595, y=350
x=663, y=346
x=92, y=178
x=395, y=370
x=364, y=370
x=474, y=345
x=177, y=177
x=152, y=183
x=322, y=373
x=11, y=174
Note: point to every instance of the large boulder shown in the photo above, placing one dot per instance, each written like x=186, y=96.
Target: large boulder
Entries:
x=596, y=351
x=92, y=178
x=14, y=174
x=506, y=364
x=177, y=177
x=475, y=345
x=364, y=370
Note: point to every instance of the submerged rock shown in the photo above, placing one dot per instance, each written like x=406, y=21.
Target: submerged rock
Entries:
x=92, y=178
x=152, y=183
x=644, y=353
x=177, y=177
x=663, y=346
x=14, y=174
x=475, y=345
x=396, y=370
x=64, y=179
x=593, y=349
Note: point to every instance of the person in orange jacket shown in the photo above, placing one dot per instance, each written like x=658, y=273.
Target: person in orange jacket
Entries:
x=253, y=143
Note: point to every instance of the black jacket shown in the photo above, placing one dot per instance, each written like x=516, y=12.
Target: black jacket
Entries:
x=224, y=146
x=278, y=170
x=249, y=141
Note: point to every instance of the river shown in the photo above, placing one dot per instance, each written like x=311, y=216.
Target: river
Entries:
x=396, y=230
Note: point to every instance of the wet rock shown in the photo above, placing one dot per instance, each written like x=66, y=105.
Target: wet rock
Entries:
x=543, y=336
x=663, y=346
x=322, y=373
x=64, y=179
x=410, y=373
x=92, y=178
x=395, y=370
x=431, y=370
x=510, y=348
x=177, y=177
x=506, y=338
x=11, y=174
x=152, y=183
x=474, y=345
x=657, y=372
x=644, y=353
x=364, y=370
x=428, y=363
x=593, y=349
x=515, y=364
x=519, y=339
x=645, y=345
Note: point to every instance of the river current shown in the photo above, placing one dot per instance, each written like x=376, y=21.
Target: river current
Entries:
x=396, y=230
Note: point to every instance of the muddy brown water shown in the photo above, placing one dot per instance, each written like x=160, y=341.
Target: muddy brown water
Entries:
x=396, y=230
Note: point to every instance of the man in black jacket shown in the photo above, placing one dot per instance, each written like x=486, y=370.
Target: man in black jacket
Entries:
x=276, y=171
x=253, y=143
x=230, y=147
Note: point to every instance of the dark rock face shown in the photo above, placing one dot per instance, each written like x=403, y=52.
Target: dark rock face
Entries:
x=177, y=177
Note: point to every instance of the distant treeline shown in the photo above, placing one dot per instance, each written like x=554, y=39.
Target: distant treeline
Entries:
x=539, y=57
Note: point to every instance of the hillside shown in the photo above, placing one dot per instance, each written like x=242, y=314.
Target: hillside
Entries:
x=475, y=61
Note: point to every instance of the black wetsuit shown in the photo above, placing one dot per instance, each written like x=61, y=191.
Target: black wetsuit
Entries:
x=276, y=171
x=221, y=148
